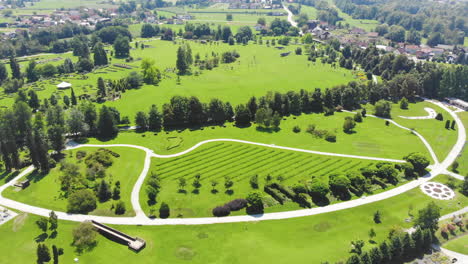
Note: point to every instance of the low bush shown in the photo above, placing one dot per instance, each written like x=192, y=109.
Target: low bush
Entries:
x=330, y=137
x=439, y=117
x=237, y=204
x=296, y=129
x=221, y=211
x=276, y=194
x=120, y=208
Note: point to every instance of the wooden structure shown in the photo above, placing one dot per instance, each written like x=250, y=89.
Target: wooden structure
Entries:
x=22, y=184
x=133, y=243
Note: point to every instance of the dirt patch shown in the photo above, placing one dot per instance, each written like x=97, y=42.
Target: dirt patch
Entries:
x=185, y=253
x=322, y=226
x=19, y=221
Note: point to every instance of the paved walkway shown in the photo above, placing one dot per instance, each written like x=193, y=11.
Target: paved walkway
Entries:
x=291, y=18
x=141, y=219
x=453, y=174
x=431, y=114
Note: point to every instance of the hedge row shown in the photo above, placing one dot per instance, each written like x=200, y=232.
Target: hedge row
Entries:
x=234, y=205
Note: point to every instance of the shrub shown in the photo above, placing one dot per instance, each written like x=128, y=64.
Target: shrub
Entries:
x=254, y=200
x=164, y=210
x=358, y=117
x=299, y=188
x=319, y=189
x=383, y=108
x=404, y=103
x=237, y=204
x=330, y=136
x=80, y=154
x=120, y=208
x=439, y=117
x=82, y=201
x=254, y=181
x=303, y=200
x=276, y=194
x=221, y=211
x=311, y=128
x=84, y=235
x=296, y=129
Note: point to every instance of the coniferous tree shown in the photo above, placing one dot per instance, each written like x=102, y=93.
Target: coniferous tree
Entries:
x=73, y=97
x=32, y=73
x=107, y=125
x=181, y=63
x=102, y=92
x=15, y=68
x=375, y=256
x=154, y=119
x=100, y=55
x=3, y=73
x=104, y=191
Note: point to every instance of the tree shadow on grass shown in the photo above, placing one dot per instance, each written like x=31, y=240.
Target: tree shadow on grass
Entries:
x=268, y=129
x=196, y=191
x=182, y=191
x=229, y=192
x=36, y=176
x=41, y=238
x=8, y=176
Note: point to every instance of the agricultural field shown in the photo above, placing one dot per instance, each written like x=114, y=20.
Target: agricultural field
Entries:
x=239, y=162
x=197, y=244
x=370, y=138
x=45, y=190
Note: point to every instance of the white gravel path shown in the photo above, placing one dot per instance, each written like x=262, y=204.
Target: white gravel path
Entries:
x=431, y=114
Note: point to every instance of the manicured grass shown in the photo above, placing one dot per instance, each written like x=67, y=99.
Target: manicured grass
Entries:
x=258, y=70
x=463, y=158
x=459, y=245
x=440, y=139
x=371, y=137
x=44, y=190
x=240, y=162
x=313, y=239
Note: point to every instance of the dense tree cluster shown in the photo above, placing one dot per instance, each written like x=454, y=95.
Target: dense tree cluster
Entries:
x=440, y=22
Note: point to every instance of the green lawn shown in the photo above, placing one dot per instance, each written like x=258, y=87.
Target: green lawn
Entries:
x=367, y=24
x=240, y=162
x=44, y=191
x=459, y=245
x=371, y=137
x=258, y=70
x=318, y=238
x=440, y=139
x=463, y=158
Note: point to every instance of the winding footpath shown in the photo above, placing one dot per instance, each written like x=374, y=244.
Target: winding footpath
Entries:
x=141, y=219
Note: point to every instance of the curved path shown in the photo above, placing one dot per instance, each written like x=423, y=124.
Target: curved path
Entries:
x=291, y=19
x=431, y=114
x=141, y=219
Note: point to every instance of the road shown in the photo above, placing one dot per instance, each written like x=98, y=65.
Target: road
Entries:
x=291, y=19
x=141, y=219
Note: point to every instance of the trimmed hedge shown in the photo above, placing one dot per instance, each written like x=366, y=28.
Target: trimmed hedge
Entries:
x=237, y=204
x=277, y=195
x=221, y=211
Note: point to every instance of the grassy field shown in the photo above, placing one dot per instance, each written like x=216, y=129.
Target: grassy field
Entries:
x=370, y=137
x=239, y=162
x=44, y=190
x=313, y=239
x=258, y=70
x=367, y=24
x=459, y=245
x=440, y=139
x=463, y=158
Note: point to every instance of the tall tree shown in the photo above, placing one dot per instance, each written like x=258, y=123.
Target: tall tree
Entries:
x=15, y=68
x=107, y=125
x=32, y=73
x=154, y=119
x=3, y=73
x=122, y=46
x=100, y=55
x=102, y=91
